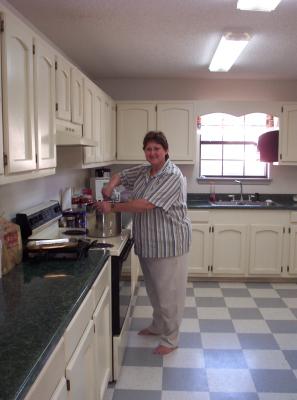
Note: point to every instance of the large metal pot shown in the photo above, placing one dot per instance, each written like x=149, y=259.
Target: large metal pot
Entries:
x=103, y=225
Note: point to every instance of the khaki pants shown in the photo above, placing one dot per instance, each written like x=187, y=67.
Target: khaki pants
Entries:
x=166, y=282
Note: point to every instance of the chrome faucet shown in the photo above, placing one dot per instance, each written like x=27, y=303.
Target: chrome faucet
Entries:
x=241, y=196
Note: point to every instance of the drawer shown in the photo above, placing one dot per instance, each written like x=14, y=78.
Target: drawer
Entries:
x=199, y=216
x=77, y=325
x=101, y=283
x=50, y=375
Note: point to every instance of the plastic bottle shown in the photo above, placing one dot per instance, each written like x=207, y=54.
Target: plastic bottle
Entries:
x=212, y=192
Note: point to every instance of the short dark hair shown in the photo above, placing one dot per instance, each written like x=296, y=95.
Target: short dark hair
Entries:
x=158, y=137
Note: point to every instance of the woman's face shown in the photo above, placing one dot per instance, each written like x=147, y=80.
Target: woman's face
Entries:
x=155, y=154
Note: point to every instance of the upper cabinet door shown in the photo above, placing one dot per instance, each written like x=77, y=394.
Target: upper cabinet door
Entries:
x=98, y=124
x=288, y=135
x=89, y=119
x=44, y=84
x=108, y=132
x=134, y=120
x=18, y=117
x=63, y=81
x=177, y=121
x=77, y=99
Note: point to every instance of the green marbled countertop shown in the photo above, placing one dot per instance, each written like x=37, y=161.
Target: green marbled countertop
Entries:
x=35, y=310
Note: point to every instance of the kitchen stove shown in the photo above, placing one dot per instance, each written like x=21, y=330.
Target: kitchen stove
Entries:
x=42, y=223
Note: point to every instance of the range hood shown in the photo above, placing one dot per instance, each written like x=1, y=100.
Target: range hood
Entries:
x=69, y=134
x=268, y=146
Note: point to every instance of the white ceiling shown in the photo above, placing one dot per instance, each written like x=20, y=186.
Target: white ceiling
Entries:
x=166, y=38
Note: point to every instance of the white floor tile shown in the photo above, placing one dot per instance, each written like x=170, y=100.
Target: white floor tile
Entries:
x=240, y=302
x=140, y=378
x=277, y=314
x=213, y=313
x=265, y=359
x=189, y=325
x=250, y=326
x=208, y=292
x=135, y=340
x=185, y=358
x=220, y=341
x=263, y=293
x=190, y=302
x=230, y=380
x=277, y=396
x=284, y=285
x=232, y=285
x=286, y=341
x=170, y=395
x=290, y=302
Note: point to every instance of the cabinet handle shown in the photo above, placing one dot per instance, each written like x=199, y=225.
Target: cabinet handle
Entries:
x=68, y=384
x=289, y=230
x=212, y=229
x=288, y=268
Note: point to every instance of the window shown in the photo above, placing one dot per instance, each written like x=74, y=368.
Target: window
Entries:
x=228, y=144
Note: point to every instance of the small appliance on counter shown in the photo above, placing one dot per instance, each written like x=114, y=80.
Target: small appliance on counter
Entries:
x=97, y=185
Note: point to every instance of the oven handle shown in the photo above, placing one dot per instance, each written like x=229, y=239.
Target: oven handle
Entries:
x=126, y=251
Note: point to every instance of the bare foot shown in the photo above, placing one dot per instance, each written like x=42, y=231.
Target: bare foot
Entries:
x=146, y=332
x=163, y=350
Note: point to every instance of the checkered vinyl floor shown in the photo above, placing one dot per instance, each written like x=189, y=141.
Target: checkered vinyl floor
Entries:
x=238, y=342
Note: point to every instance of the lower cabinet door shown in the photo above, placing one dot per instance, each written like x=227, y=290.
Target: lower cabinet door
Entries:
x=61, y=391
x=80, y=371
x=103, y=336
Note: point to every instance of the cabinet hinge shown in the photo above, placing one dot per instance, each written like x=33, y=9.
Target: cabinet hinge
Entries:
x=56, y=65
x=280, y=156
x=57, y=106
x=209, y=230
x=33, y=48
x=212, y=229
x=282, y=109
x=156, y=108
x=5, y=159
x=289, y=230
x=36, y=158
x=2, y=25
x=288, y=268
x=211, y=268
x=68, y=384
x=208, y=267
x=284, y=229
x=281, y=269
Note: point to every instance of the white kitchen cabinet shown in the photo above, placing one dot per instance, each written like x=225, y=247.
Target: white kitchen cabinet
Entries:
x=229, y=249
x=89, y=119
x=103, y=337
x=133, y=122
x=199, y=254
x=63, y=84
x=77, y=96
x=135, y=270
x=98, y=124
x=108, y=133
x=44, y=104
x=292, y=234
x=61, y=391
x=46, y=385
x=288, y=135
x=80, y=371
x=18, y=106
x=266, y=249
x=175, y=119
x=1, y=123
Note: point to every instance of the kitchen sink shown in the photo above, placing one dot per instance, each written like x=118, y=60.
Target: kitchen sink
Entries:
x=243, y=203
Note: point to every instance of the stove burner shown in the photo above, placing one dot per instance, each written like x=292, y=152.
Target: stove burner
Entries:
x=101, y=245
x=76, y=232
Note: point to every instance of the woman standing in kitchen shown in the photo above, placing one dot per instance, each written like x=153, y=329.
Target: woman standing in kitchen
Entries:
x=162, y=234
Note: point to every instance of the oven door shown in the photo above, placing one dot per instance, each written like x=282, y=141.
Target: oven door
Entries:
x=121, y=287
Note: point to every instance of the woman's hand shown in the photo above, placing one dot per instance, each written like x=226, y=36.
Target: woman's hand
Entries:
x=103, y=206
x=107, y=192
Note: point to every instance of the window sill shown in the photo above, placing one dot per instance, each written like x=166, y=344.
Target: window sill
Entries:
x=228, y=181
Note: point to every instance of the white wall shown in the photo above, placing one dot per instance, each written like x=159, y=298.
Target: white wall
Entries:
x=21, y=195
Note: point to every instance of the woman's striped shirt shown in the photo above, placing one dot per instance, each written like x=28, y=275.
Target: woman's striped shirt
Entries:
x=164, y=231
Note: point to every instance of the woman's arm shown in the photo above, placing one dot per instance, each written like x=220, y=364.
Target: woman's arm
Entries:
x=135, y=206
x=108, y=188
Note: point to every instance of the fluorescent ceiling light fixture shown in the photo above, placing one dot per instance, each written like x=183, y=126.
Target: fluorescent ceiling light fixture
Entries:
x=257, y=5
x=228, y=50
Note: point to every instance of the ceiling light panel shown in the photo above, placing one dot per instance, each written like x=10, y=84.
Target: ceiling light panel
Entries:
x=257, y=5
x=230, y=47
